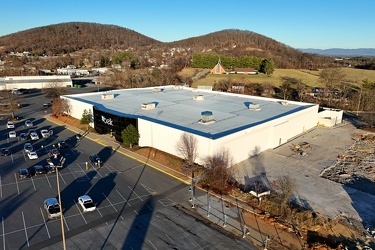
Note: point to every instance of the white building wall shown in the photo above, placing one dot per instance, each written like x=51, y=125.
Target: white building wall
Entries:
x=330, y=117
x=241, y=145
x=166, y=138
x=78, y=107
x=38, y=82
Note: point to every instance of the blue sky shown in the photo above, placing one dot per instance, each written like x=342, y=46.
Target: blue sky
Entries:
x=319, y=24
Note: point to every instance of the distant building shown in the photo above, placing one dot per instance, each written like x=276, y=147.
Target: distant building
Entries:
x=244, y=71
x=218, y=69
x=34, y=82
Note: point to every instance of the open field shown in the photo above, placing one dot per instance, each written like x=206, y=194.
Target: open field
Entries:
x=309, y=77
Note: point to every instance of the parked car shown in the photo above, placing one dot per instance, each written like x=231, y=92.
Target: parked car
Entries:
x=32, y=155
x=95, y=160
x=10, y=124
x=5, y=152
x=39, y=169
x=49, y=169
x=29, y=123
x=86, y=203
x=47, y=104
x=54, y=153
x=45, y=133
x=34, y=136
x=12, y=134
x=28, y=147
x=62, y=145
x=23, y=136
x=23, y=173
x=52, y=207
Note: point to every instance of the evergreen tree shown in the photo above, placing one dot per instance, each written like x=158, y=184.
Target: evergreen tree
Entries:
x=86, y=118
x=130, y=135
x=267, y=66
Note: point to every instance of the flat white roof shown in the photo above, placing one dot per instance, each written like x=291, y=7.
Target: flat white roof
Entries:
x=176, y=108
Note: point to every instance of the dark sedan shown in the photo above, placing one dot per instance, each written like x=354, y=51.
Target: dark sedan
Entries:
x=62, y=145
x=39, y=169
x=5, y=152
x=49, y=169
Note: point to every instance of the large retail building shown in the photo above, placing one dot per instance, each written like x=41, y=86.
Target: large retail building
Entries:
x=35, y=82
x=242, y=124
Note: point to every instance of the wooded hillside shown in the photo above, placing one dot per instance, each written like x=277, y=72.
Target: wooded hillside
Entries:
x=75, y=36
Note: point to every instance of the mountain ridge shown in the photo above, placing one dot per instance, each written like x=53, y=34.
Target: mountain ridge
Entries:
x=341, y=51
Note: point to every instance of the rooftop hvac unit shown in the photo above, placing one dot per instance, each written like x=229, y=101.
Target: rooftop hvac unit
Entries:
x=207, y=117
x=148, y=106
x=284, y=103
x=254, y=106
x=198, y=98
x=108, y=96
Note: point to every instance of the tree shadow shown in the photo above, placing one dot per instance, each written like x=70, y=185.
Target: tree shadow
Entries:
x=100, y=191
x=75, y=189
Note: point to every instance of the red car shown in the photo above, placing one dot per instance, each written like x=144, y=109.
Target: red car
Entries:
x=23, y=173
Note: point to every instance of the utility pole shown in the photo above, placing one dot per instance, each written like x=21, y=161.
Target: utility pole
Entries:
x=62, y=160
x=61, y=212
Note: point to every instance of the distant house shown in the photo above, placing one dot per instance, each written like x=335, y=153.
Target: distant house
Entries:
x=218, y=69
x=244, y=71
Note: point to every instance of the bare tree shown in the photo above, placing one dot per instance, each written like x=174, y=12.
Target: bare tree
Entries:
x=331, y=78
x=284, y=187
x=61, y=106
x=187, y=147
x=10, y=101
x=54, y=90
x=218, y=172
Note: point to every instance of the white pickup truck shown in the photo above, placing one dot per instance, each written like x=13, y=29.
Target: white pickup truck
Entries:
x=86, y=203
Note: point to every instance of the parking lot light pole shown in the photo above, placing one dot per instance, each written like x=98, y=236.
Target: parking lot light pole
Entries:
x=61, y=214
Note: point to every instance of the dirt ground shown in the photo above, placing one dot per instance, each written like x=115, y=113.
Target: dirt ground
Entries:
x=335, y=231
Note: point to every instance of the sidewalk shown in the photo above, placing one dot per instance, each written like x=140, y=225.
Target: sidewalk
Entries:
x=226, y=211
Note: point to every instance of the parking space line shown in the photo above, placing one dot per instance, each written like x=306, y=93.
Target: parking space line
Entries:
x=99, y=212
x=88, y=178
x=110, y=168
x=3, y=228
x=83, y=217
x=24, y=156
x=110, y=202
x=60, y=175
x=24, y=225
x=135, y=193
x=150, y=190
x=96, y=170
x=123, y=198
x=33, y=183
x=72, y=173
x=49, y=183
x=66, y=224
x=18, y=189
x=45, y=224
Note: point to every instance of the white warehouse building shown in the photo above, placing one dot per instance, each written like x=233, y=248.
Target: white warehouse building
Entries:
x=35, y=82
x=239, y=123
